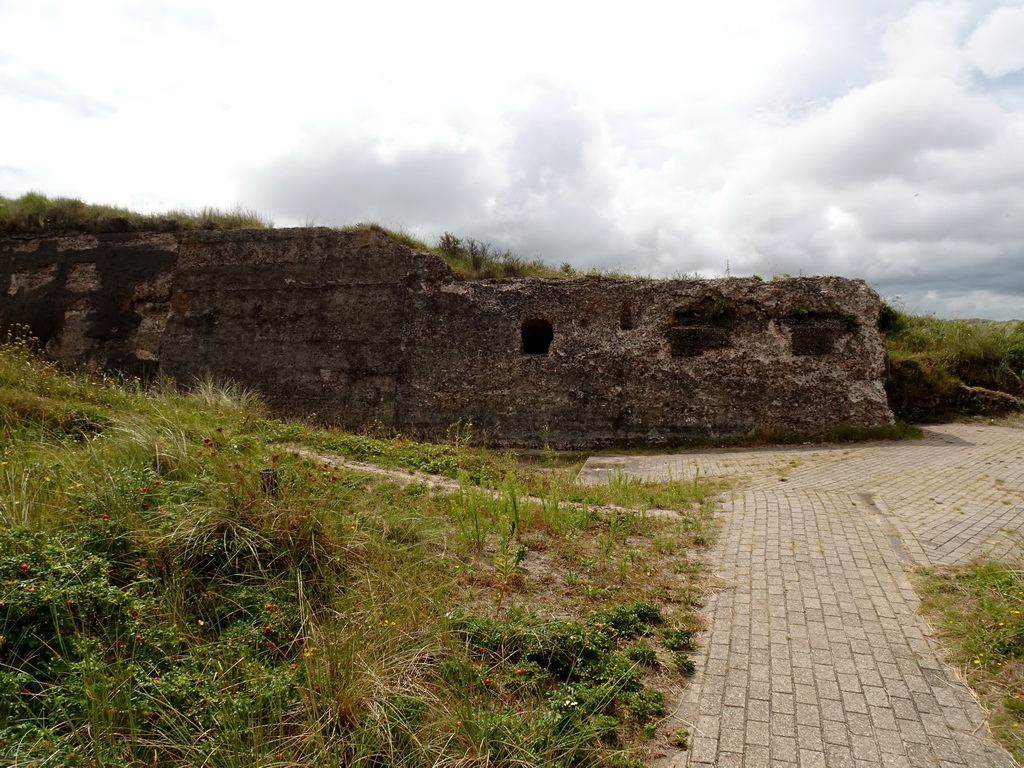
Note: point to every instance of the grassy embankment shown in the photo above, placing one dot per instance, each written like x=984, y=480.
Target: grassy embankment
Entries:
x=934, y=363
x=163, y=603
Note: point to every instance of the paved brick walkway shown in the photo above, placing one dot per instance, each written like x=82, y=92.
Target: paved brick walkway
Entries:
x=815, y=654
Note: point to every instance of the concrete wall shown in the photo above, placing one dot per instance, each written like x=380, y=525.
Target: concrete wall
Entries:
x=357, y=328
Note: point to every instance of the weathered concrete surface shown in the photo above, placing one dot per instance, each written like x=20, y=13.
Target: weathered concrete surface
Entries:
x=91, y=300
x=815, y=654
x=357, y=328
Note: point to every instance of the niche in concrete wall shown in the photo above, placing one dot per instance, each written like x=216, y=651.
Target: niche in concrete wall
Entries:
x=706, y=325
x=626, y=319
x=816, y=333
x=537, y=337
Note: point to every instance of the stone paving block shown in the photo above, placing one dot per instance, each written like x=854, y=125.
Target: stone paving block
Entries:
x=864, y=747
x=782, y=705
x=757, y=711
x=859, y=724
x=855, y=702
x=756, y=757
x=733, y=717
x=704, y=750
x=808, y=758
x=876, y=697
x=884, y=718
x=837, y=756
x=732, y=739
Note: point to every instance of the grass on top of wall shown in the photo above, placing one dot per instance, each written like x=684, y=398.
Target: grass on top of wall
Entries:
x=184, y=581
x=36, y=214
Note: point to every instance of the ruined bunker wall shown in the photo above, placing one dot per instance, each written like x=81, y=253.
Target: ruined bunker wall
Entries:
x=357, y=328
x=646, y=360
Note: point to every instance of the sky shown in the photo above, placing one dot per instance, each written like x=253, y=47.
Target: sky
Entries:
x=874, y=139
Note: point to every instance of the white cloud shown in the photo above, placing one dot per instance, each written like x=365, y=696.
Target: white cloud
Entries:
x=885, y=129
x=995, y=47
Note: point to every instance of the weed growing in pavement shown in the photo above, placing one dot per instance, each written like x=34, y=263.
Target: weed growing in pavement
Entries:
x=160, y=605
x=978, y=609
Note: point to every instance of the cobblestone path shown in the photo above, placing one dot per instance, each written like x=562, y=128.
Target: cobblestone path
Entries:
x=814, y=653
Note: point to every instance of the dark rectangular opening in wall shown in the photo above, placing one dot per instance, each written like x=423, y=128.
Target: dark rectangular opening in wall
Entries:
x=626, y=315
x=537, y=337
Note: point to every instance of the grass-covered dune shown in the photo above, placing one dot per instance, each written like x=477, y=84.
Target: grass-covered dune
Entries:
x=185, y=582
x=942, y=368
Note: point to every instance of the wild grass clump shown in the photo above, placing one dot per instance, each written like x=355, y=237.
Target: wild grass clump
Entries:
x=978, y=609
x=36, y=214
x=184, y=582
x=472, y=258
x=931, y=360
